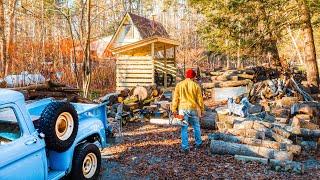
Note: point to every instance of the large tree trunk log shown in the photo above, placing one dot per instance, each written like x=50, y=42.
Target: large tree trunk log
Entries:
x=221, y=147
x=291, y=166
x=295, y=149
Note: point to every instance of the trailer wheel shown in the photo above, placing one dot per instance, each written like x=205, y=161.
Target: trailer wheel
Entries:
x=59, y=123
x=86, y=162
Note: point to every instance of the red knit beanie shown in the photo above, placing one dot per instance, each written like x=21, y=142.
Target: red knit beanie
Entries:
x=190, y=73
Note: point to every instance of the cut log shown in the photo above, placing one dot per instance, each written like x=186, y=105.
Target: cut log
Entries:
x=234, y=78
x=141, y=93
x=246, y=76
x=281, y=132
x=255, y=109
x=281, y=112
x=42, y=94
x=289, y=166
x=214, y=73
x=222, y=147
x=222, y=78
x=265, y=105
x=278, y=137
x=3, y=84
x=282, y=120
x=287, y=102
x=124, y=92
x=130, y=100
x=256, y=125
x=33, y=87
x=249, y=133
x=234, y=83
x=303, y=121
x=310, y=108
x=303, y=132
x=208, y=121
x=248, y=71
x=243, y=125
x=210, y=85
x=295, y=149
x=308, y=145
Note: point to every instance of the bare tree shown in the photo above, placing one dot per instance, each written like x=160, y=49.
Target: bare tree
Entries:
x=10, y=45
x=87, y=59
x=3, y=35
x=310, y=50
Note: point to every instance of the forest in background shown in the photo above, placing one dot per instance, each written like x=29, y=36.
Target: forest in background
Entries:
x=42, y=36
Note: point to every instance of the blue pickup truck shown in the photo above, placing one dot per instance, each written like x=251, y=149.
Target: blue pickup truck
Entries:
x=49, y=139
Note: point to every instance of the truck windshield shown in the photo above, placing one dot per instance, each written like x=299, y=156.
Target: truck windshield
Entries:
x=9, y=126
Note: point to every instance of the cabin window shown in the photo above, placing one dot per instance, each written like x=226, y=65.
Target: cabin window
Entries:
x=129, y=31
x=9, y=126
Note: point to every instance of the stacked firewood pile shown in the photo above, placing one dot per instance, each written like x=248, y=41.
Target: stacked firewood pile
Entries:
x=133, y=104
x=51, y=89
x=225, y=79
x=274, y=137
x=253, y=77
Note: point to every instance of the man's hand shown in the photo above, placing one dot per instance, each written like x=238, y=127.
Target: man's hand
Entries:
x=201, y=114
x=174, y=114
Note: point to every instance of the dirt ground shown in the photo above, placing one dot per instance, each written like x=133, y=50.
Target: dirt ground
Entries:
x=152, y=152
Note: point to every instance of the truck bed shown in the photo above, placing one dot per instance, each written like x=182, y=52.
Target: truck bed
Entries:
x=84, y=111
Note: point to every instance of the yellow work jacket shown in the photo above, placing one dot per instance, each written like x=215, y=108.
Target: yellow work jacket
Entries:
x=187, y=96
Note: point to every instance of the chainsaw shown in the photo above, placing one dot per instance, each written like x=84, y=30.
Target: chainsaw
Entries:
x=177, y=119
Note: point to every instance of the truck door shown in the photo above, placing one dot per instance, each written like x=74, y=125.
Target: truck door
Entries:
x=22, y=153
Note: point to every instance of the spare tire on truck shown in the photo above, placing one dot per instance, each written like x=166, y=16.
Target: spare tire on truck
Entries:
x=59, y=122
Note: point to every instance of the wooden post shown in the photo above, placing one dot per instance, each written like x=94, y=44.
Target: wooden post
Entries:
x=153, y=62
x=165, y=67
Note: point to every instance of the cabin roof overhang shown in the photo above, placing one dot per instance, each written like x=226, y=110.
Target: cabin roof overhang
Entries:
x=143, y=46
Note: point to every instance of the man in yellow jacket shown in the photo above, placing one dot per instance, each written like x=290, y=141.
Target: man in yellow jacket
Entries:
x=188, y=101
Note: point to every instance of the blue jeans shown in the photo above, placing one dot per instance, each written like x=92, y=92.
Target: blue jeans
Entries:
x=192, y=118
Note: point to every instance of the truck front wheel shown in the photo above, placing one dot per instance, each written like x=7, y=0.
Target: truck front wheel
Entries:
x=86, y=162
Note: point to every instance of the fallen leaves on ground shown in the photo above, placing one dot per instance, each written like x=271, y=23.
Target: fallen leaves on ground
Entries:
x=151, y=151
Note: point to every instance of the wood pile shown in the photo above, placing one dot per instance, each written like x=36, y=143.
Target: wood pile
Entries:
x=277, y=137
x=262, y=83
x=51, y=89
x=230, y=78
x=137, y=102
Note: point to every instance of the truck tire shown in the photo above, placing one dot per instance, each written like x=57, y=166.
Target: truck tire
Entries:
x=59, y=122
x=86, y=162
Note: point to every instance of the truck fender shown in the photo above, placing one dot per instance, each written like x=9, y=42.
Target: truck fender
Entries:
x=88, y=131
